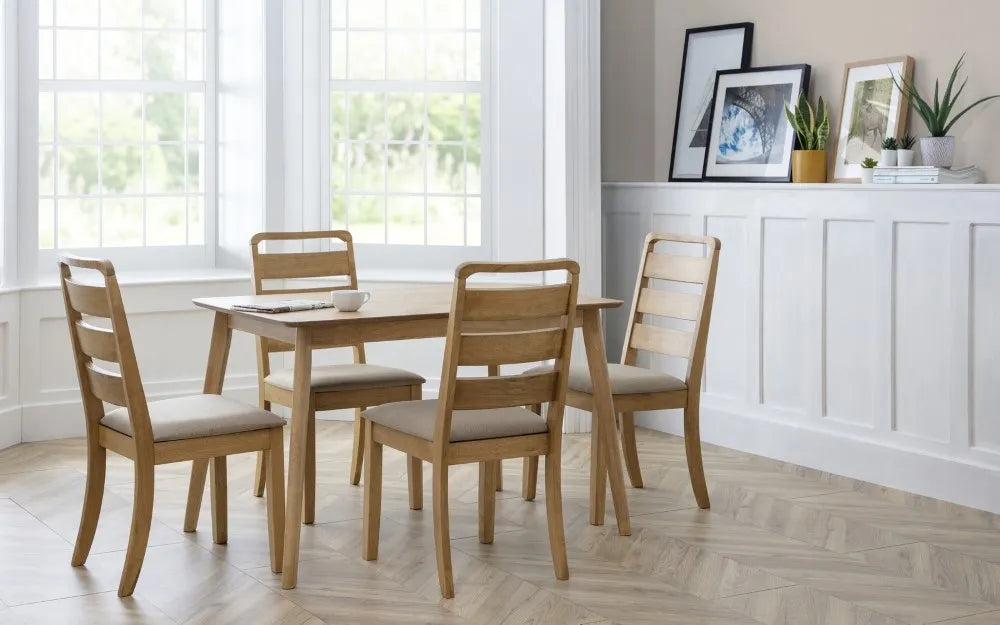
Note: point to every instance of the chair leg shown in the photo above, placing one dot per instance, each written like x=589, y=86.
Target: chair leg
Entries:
x=554, y=512
x=631, y=452
x=415, y=481
x=373, y=495
x=498, y=476
x=692, y=449
x=529, y=475
x=142, y=518
x=442, y=532
x=260, y=475
x=487, y=500
x=309, y=478
x=97, y=461
x=220, y=513
x=358, y=452
x=276, y=499
x=196, y=490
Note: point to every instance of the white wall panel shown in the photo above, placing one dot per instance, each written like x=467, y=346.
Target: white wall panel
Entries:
x=850, y=346
x=921, y=341
x=855, y=328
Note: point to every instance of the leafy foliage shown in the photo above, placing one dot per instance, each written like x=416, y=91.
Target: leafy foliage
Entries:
x=906, y=142
x=889, y=143
x=812, y=127
x=869, y=163
x=937, y=114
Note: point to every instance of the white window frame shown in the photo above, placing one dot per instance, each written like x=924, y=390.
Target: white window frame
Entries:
x=395, y=256
x=38, y=263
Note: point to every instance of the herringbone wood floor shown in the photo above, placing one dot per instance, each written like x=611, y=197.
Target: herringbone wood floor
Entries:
x=781, y=545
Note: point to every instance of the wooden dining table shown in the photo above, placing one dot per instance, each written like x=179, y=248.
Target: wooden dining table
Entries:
x=396, y=313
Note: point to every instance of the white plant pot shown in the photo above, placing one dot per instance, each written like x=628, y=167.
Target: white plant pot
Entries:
x=938, y=151
x=867, y=173
x=887, y=158
x=904, y=158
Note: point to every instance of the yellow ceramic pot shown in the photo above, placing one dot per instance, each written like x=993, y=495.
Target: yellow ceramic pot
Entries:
x=809, y=166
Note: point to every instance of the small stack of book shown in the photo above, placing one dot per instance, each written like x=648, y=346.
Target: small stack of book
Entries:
x=927, y=175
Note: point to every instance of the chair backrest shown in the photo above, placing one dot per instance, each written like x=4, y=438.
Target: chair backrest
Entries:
x=673, y=304
x=336, y=263
x=496, y=326
x=99, y=333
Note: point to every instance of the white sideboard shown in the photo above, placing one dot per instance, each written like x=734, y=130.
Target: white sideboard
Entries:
x=856, y=328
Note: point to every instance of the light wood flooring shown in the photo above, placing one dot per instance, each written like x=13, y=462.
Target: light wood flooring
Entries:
x=781, y=545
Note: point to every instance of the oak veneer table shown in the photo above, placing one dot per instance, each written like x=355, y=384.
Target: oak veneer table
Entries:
x=395, y=314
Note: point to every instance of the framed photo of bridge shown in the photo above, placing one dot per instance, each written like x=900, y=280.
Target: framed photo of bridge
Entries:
x=750, y=139
x=872, y=109
x=706, y=50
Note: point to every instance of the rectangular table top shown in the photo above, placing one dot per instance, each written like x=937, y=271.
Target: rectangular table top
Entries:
x=387, y=303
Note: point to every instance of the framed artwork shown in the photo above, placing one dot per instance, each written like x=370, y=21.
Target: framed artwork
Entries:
x=706, y=51
x=749, y=137
x=872, y=109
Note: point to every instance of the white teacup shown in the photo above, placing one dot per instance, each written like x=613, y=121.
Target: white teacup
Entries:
x=349, y=301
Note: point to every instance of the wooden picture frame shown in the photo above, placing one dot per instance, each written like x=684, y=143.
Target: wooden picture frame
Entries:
x=885, y=113
x=706, y=50
x=748, y=124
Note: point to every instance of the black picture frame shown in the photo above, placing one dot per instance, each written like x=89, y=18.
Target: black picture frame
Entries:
x=803, y=71
x=747, y=47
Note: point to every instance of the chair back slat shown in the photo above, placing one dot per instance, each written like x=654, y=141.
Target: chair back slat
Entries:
x=666, y=341
x=89, y=299
x=98, y=385
x=510, y=347
x=671, y=304
x=508, y=326
x=97, y=342
x=658, y=294
x=691, y=269
x=503, y=304
x=107, y=386
x=302, y=265
x=504, y=391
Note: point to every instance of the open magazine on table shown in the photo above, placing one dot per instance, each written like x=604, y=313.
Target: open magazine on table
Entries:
x=283, y=306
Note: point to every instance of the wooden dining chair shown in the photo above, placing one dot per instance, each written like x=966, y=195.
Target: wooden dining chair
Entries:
x=481, y=419
x=636, y=388
x=334, y=387
x=155, y=432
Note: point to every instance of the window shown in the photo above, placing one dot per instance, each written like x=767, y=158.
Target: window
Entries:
x=124, y=87
x=407, y=96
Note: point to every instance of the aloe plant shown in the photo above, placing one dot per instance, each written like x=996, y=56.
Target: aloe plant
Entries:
x=812, y=127
x=906, y=142
x=869, y=163
x=937, y=113
x=889, y=143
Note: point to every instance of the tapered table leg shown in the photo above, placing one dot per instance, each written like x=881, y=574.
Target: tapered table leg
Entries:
x=297, y=457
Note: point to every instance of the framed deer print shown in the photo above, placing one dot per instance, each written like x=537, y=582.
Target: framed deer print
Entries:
x=872, y=109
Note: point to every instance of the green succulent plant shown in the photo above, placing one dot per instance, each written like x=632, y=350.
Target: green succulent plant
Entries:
x=869, y=163
x=811, y=126
x=906, y=142
x=889, y=143
x=937, y=113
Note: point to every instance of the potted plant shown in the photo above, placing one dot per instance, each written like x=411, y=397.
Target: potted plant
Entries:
x=868, y=170
x=938, y=150
x=812, y=130
x=904, y=150
x=888, y=152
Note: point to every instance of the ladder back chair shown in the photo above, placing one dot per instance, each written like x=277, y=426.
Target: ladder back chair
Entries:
x=636, y=388
x=199, y=427
x=334, y=387
x=482, y=419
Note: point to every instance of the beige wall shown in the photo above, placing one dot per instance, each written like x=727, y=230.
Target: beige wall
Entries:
x=825, y=35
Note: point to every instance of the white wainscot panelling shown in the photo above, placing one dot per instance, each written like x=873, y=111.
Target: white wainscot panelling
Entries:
x=986, y=332
x=855, y=328
x=784, y=328
x=921, y=321
x=850, y=323
x=10, y=406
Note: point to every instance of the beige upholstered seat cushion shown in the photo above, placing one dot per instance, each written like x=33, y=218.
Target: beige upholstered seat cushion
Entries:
x=196, y=416
x=418, y=417
x=625, y=379
x=348, y=377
